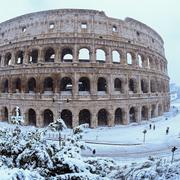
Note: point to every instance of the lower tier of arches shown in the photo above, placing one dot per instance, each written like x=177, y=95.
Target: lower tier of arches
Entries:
x=97, y=113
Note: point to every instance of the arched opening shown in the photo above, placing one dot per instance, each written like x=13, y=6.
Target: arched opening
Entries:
x=144, y=86
x=117, y=85
x=144, y=113
x=32, y=117
x=48, y=117
x=100, y=55
x=17, y=85
x=48, y=84
x=129, y=58
x=31, y=85
x=66, y=84
x=85, y=117
x=118, y=116
x=151, y=63
x=153, y=111
x=159, y=86
x=140, y=60
x=102, y=117
x=67, y=55
x=160, y=112
x=132, y=115
x=33, y=56
x=8, y=60
x=66, y=115
x=4, y=113
x=84, y=84
x=84, y=55
x=19, y=57
x=5, y=86
x=102, y=84
x=116, y=58
x=153, y=85
x=49, y=55
x=132, y=85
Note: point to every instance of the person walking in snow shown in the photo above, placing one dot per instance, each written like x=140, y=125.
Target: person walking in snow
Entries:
x=154, y=127
x=94, y=152
x=167, y=130
x=150, y=126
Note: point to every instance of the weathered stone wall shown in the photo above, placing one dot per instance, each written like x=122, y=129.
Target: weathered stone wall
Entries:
x=66, y=32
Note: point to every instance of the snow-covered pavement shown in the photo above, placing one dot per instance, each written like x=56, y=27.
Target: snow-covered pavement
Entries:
x=121, y=139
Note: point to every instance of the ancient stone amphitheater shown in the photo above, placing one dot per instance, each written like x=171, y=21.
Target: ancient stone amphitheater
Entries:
x=83, y=66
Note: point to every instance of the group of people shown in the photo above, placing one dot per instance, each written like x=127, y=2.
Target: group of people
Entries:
x=150, y=126
x=154, y=127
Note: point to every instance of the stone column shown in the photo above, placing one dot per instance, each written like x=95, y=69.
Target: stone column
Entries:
x=94, y=120
x=109, y=56
x=125, y=116
x=94, y=85
x=75, y=119
x=57, y=55
x=39, y=120
x=26, y=56
x=13, y=58
x=75, y=54
x=2, y=60
x=139, y=108
x=111, y=117
x=75, y=86
x=149, y=112
x=40, y=56
x=123, y=58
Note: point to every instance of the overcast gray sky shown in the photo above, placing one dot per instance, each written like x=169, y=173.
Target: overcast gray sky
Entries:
x=162, y=15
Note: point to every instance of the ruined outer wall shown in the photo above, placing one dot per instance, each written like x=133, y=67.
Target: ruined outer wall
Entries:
x=32, y=31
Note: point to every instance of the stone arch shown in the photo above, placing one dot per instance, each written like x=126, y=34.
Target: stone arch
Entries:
x=140, y=59
x=67, y=55
x=133, y=114
x=49, y=55
x=48, y=84
x=66, y=115
x=48, y=117
x=160, y=110
x=5, y=86
x=84, y=84
x=32, y=117
x=116, y=57
x=4, y=114
x=103, y=117
x=31, y=85
x=8, y=59
x=19, y=57
x=33, y=56
x=119, y=115
x=144, y=113
x=100, y=55
x=153, y=85
x=151, y=63
x=153, y=110
x=118, y=85
x=17, y=85
x=85, y=117
x=102, y=84
x=129, y=58
x=144, y=85
x=84, y=55
x=66, y=84
x=132, y=85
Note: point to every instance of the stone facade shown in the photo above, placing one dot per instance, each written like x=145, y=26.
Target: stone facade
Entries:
x=82, y=65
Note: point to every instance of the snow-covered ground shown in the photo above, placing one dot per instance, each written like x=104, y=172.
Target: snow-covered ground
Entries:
x=135, y=159
x=125, y=142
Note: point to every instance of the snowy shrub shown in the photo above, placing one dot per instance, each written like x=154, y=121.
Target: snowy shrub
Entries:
x=58, y=125
x=31, y=151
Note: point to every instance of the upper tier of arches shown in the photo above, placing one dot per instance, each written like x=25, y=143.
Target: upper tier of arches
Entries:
x=56, y=54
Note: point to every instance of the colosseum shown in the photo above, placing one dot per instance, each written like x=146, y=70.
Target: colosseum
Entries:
x=83, y=66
